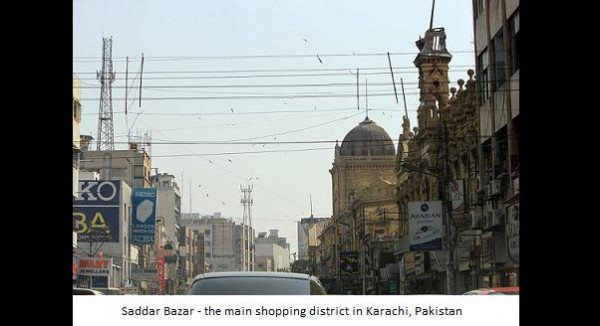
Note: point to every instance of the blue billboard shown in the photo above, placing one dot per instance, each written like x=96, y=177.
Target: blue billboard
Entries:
x=96, y=211
x=143, y=222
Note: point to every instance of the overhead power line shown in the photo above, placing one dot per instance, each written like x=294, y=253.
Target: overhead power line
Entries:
x=265, y=56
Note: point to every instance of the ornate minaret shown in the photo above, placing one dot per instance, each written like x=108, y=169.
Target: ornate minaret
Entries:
x=432, y=62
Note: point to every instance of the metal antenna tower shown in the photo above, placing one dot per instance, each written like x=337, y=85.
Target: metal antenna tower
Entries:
x=106, y=132
x=247, y=201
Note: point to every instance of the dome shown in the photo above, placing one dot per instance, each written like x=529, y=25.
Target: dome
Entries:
x=367, y=137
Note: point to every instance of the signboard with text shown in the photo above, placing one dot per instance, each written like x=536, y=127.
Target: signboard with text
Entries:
x=96, y=211
x=94, y=266
x=144, y=216
x=425, y=225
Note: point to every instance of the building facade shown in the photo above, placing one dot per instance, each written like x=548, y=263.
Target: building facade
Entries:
x=132, y=165
x=364, y=222
x=272, y=252
x=496, y=30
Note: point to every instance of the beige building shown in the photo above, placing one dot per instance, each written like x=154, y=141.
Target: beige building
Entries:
x=364, y=210
x=132, y=165
x=275, y=248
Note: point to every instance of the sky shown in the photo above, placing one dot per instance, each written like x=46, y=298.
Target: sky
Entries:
x=204, y=59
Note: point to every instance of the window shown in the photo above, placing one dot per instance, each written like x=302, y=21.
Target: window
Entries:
x=483, y=62
x=513, y=27
x=498, y=44
x=207, y=231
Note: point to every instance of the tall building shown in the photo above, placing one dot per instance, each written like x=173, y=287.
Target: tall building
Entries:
x=168, y=203
x=222, y=241
x=496, y=30
x=363, y=222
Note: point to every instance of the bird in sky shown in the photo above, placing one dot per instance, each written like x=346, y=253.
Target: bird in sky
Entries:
x=210, y=161
x=264, y=145
x=231, y=110
x=305, y=40
x=206, y=195
x=321, y=61
x=275, y=138
x=315, y=107
x=223, y=202
x=199, y=185
x=230, y=160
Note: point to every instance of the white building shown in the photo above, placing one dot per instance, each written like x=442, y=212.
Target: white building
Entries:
x=168, y=203
x=272, y=252
x=222, y=241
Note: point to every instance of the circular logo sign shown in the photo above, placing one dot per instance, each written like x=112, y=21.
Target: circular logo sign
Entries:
x=424, y=207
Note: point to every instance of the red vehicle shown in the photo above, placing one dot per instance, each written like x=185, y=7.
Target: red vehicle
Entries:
x=510, y=290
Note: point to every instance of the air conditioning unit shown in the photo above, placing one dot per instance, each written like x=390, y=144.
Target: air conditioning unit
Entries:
x=516, y=185
x=495, y=187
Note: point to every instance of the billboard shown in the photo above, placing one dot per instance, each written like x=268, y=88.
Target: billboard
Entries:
x=425, y=225
x=96, y=211
x=457, y=195
x=144, y=216
x=349, y=264
x=93, y=266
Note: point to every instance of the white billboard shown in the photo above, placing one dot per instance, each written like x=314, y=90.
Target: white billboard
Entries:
x=425, y=225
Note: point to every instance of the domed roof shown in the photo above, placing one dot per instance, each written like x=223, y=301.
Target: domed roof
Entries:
x=367, y=138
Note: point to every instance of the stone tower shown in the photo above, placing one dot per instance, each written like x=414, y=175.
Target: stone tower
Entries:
x=432, y=62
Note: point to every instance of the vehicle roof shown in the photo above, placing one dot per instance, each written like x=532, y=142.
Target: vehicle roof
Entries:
x=253, y=274
x=87, y=290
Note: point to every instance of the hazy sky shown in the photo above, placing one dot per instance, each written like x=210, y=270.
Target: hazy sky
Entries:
x=176, y=38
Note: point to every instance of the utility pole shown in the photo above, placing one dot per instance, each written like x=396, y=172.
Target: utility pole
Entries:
x=447, y=206
x=247, y=201
x=106, y=133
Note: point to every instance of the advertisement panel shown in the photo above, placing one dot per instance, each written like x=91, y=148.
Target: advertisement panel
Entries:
x=144, y=274
x=144, y=216
x=96, y=211
x=457, y=195
x=349, y=264
x=94, y=266
x=425, y=225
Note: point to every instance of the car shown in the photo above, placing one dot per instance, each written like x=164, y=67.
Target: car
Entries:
x=82, y=291
x=255, y=283
x=510, y=290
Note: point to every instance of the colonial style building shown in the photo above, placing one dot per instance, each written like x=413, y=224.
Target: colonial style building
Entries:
x=363, y=223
